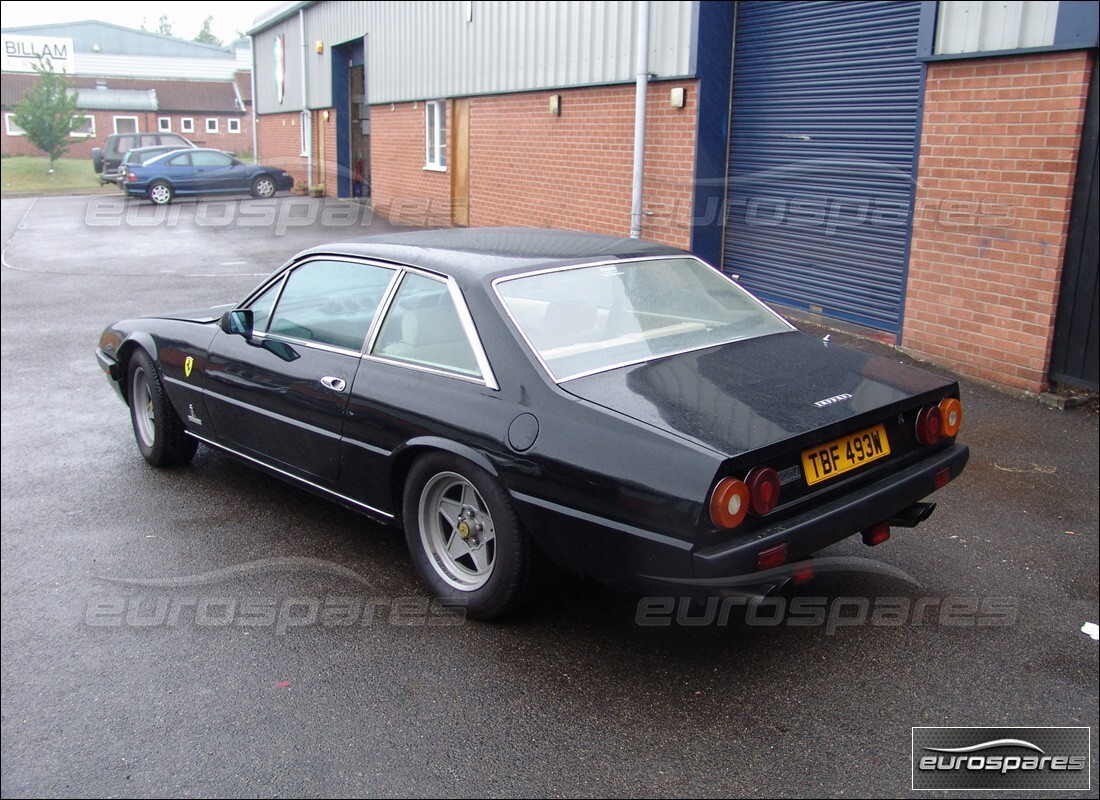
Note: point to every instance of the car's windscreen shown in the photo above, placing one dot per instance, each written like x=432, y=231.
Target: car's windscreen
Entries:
x=582, y=320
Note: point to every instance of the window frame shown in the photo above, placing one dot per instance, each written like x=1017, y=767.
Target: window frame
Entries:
x=75, y=134
x=114, y=124
x=281, y=281
x=231, y=123
x=187, y=124
x=164, y=124
x=213, y=125
x=473, y=339
x=10, y=127
x=435, y=136
x=487, y=378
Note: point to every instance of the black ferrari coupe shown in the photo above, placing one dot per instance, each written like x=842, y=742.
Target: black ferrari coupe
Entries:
x=618, y=405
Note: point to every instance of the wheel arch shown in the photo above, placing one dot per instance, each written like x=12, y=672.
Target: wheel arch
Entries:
x=126, y=350
x=407, y=454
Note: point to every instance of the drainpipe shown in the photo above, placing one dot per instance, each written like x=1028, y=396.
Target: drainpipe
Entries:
x=252, y=111
x=639, y=119
x=307, y=122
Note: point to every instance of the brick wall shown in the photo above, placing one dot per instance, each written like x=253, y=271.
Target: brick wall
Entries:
x=997, y=164
x=401, y=189
x=279, y=142
x=81, y=147
x=528, y=167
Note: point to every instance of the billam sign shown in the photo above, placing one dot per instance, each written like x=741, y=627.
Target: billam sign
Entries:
x=21, y=53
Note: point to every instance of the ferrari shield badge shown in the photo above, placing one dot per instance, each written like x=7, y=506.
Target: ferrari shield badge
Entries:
x=188, y=363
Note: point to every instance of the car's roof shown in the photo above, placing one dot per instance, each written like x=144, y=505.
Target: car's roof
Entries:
x=476, y=253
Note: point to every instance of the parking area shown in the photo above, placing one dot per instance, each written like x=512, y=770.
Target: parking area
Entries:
x=210, y=631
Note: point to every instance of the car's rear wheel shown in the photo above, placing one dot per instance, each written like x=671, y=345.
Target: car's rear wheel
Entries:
x=263, y=186
x=464, y=536
x=161, y=193
x=160, y=434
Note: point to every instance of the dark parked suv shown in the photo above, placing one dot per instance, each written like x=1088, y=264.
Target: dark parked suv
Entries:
x=106, y=160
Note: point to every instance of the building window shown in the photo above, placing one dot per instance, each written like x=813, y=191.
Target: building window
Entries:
x=211, y=124
x=83, y=126
x=11, y=128
x=126, y=124
x=435, y=135
x=187, y=125
x=234, y=125
x=164, y=124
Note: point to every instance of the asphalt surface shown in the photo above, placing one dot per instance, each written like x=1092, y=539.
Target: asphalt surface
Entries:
x=211, y=631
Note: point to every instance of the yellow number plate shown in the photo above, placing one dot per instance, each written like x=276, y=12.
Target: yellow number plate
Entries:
x=845, y=454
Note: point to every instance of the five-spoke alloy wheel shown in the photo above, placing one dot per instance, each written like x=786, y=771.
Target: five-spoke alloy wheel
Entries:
x=464, y=536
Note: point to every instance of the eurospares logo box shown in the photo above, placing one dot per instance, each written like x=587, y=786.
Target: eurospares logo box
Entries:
x=1013, y=759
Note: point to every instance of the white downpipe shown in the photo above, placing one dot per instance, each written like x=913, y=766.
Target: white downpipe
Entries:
x=252, y=89
x=642, y=72
x=307, y=122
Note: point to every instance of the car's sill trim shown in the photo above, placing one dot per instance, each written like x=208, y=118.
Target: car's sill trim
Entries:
x=296, y=478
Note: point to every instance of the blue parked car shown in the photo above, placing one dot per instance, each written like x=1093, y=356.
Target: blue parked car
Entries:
x=202, y=171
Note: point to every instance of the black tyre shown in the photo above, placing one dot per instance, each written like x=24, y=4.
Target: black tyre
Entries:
x=159, y=432
x=263, y=186
x=464, y=536
x=160, y=192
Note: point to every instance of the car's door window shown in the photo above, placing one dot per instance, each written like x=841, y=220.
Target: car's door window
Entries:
x=328, y=302
x=205, y=158
x=180, y=161
x=423, y=327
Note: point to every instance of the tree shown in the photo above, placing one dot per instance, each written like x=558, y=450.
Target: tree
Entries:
x=206, y=36
x=165, y=27
x=45, y=112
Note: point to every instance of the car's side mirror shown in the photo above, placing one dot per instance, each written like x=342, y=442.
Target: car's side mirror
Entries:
x=238, y=322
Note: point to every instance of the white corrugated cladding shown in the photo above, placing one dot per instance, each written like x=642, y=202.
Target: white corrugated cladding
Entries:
x=441, y=49
x=823, y=136
x=963, y=26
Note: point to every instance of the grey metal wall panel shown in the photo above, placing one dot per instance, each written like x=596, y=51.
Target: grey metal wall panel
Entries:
x=265, y=100
x=442, y=48
x=823, y=137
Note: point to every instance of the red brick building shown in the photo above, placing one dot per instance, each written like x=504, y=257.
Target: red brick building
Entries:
x=916, y=168
x=134, y=81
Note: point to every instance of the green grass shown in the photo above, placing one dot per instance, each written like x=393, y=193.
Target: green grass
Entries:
x=30, y=175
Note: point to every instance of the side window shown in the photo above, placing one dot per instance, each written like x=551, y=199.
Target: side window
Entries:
x=422, y=327
x=329, y=302
x=181, y=160
x=262, y=305
x=206, y=158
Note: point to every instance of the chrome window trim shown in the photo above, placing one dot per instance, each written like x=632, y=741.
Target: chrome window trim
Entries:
x=618, y=262
x=466, y=320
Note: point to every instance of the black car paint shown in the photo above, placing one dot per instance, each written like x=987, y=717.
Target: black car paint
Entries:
x=615, y=483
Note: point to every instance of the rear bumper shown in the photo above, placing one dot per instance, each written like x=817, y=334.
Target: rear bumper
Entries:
x=827, y=524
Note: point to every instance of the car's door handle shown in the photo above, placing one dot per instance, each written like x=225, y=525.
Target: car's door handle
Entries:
x=336, y=384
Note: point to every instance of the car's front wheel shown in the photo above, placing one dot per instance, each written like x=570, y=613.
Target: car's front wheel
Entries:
x=161, y=193
x=263, y=186
x=160, y=434
x=464, y=536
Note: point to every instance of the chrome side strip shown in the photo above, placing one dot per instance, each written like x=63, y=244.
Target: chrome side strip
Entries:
x=271, y=414
x=371, y=509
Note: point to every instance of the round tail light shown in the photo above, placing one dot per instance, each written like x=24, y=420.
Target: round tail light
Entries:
x=929, y=425
x=763, y=483
x=952, y=412
x=729, y=503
